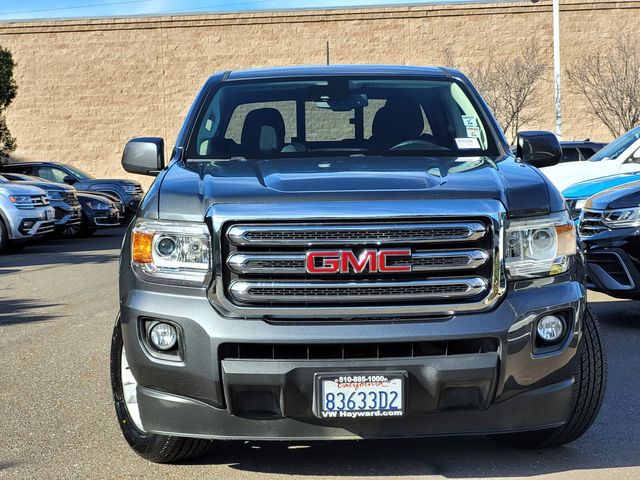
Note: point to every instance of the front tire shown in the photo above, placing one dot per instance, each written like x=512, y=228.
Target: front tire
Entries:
x=590, y=385
x=4, y=237
x=153, y=447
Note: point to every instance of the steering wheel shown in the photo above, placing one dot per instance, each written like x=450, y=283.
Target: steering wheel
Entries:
x=417, y=145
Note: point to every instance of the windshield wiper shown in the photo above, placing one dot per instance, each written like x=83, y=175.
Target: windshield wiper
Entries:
x=207, y=160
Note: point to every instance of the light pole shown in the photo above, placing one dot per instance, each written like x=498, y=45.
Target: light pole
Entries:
x=556, y=65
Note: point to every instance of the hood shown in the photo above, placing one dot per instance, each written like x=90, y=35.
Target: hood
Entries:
x=591, y=187
x=622, y=196
x=58, y=187
x=122, y=181
x=566, y=174
x=14, y=188
x=188, y=191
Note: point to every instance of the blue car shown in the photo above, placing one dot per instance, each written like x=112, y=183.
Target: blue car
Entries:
x=576, y=195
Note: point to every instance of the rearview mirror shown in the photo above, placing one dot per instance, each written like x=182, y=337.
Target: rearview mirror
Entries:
x=540, y=149
x=356, y=100
x=144, y=155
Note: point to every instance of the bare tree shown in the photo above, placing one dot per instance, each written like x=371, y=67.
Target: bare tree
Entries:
x=609, y=80
x=509, y=86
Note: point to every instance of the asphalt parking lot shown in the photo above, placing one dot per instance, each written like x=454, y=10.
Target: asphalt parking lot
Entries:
x=58, y=301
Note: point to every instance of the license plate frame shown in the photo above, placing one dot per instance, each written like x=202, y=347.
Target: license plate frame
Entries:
x=322, y=380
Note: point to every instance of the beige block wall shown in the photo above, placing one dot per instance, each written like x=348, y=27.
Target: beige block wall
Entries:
x=86, y=86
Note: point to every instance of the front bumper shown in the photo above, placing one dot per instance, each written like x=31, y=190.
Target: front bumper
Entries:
x=67, y=216
x=30, y=224
x=103, y=218
x=516, y=387
x=613, y=263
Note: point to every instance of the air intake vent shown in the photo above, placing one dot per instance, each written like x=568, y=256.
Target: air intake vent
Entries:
x=251, y=351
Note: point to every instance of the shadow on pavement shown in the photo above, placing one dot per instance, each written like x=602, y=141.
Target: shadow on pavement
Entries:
x=57, y=251
x=17, y=311
x=6, y=465
x=460, y=457
x=618, y=313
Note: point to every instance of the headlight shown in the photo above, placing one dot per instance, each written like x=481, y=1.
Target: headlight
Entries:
x=23, y=202
x=54, y=195
x=20, y=199
x=171, y=252
x=92, y=204
x=130, y=188
x=539, y=247
x=622, y=218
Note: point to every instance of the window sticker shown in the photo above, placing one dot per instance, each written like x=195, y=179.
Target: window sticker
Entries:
x=469, y=121
x=465, y=143
x=473, y=132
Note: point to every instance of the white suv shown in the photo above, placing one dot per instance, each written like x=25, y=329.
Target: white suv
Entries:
x=25, y=213
x=620, y=156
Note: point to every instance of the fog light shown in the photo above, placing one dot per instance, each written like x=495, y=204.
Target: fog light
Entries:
x=163, y=336
x=550, y=328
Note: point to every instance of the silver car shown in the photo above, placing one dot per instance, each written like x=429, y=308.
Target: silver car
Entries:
x=25, y=213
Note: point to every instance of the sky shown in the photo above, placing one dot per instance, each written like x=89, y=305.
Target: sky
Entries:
x=39, y=9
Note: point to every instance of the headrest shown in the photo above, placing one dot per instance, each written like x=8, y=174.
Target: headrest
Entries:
x=263, y=131
x=397, y=121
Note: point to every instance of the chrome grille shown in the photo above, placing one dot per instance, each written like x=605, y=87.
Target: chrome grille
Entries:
x=591, y=223
x=301, y=292
x=311, y=234
x=265, y=264
x=71, y=198
x=39, y=200
x=422, y=261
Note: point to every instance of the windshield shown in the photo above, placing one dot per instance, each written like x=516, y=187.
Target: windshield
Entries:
x=615, y=148
x=339, y=116
x=79, y=174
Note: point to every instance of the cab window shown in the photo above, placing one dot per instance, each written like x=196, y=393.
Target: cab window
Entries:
x=51, y=173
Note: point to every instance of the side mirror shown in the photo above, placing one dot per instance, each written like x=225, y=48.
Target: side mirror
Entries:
x=144, y=156
x=69, y=180
x=540, y=149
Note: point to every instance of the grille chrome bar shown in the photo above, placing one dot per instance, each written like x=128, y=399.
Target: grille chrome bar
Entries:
x=434, y=260
x=327, y=234
x=330, y=292
x=591, y=223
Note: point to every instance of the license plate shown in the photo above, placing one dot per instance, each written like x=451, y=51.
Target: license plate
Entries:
x=48, y=215
x=360, y=395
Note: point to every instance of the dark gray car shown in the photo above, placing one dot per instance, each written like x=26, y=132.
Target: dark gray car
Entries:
x=350, y=252
x=128, y=191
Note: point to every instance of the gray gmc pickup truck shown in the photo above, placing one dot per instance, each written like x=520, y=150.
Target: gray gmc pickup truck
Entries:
x=350, y=252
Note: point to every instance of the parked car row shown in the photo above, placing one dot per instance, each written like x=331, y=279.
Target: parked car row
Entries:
x=41, y=198
x=603, y=198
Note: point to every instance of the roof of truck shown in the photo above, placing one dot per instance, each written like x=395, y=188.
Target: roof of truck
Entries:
x=329, y=70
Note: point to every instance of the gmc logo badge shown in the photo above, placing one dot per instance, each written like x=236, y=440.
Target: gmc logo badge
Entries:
x=346, y=261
